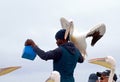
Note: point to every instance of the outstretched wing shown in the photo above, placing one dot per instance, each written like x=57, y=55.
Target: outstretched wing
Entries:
x=96, y=32
x=6, y=70
x=64, y=23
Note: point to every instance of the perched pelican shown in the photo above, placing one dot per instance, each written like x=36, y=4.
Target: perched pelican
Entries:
x=108, y=62
x=6, y=70
x=80, y=39
x=54, y=77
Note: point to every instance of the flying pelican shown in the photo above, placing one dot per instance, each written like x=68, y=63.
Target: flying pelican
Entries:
x=54, y=77
x=108, y=62
x=79, y=39
x=7, y=70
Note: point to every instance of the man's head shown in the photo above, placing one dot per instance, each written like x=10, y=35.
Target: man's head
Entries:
x=59, y=36
x=105, y=75
x=93, y=78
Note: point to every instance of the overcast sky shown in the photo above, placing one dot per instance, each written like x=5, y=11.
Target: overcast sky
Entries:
x=40, y=20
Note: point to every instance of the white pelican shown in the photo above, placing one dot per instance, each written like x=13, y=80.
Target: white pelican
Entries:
x=54, y=77
x=108, y=62
x=7, y=70
x=80, y=39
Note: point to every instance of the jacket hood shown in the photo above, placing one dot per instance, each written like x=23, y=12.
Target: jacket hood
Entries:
x=70, y=47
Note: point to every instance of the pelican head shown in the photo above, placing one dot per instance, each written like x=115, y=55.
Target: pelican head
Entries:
x=108, y=62
x=54, y=77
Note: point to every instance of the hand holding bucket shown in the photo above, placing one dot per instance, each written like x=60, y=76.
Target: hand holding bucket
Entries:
x=28, y=52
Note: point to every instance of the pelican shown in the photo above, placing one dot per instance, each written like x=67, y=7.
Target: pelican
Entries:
x=108, y=62
x=79, y=39
x=54, y=77
x=7, y=70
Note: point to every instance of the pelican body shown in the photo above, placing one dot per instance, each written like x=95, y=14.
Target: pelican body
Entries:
x=79, y=39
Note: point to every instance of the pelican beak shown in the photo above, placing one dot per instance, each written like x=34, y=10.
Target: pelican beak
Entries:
x=101, y=62
x=6, y=70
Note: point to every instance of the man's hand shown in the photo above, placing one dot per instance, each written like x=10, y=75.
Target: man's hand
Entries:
x=30, y=42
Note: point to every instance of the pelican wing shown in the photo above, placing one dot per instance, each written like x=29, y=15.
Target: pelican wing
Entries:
x=64, y=23
x=6, y=70
x=96, y=32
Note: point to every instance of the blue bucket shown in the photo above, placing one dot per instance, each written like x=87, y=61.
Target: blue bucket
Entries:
x=28, y=53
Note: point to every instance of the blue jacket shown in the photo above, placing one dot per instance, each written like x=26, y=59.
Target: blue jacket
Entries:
x=65, y=58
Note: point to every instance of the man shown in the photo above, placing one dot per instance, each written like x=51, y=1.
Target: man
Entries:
x=65, y=56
